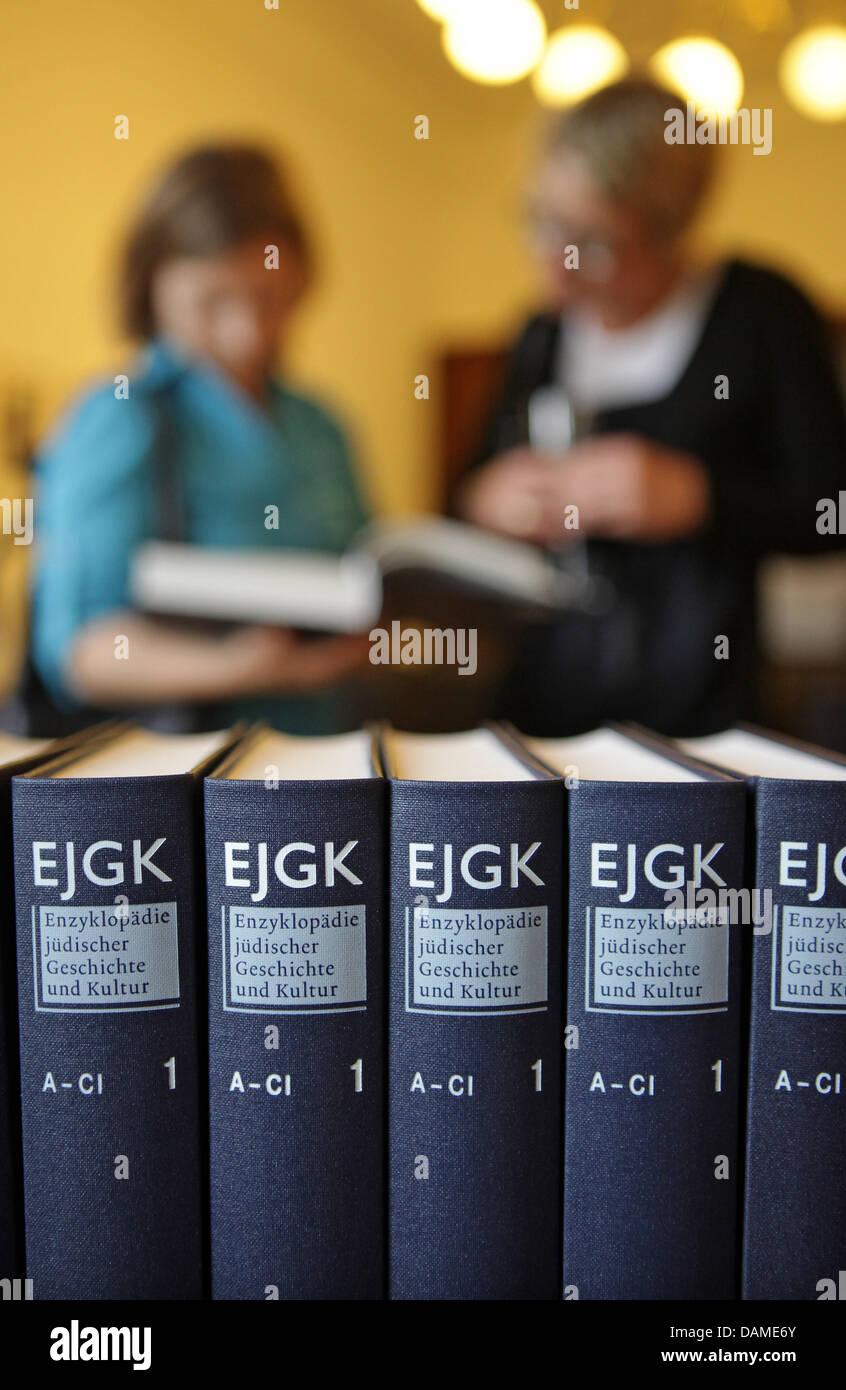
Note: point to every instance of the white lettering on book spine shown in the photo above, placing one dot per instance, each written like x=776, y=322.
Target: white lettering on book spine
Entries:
x=809, y=959
x=95, y=866
x=102, y=959
x=666, y=866
x=654, y=960
x=472, y=961
x=804, y=865
x=294, y=959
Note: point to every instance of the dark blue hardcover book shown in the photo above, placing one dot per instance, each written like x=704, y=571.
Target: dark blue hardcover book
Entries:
x=16, y=754
x=794, y=1236
x=652, y=1038
x=475, y=1020
x=295, y=862
x=105, y=841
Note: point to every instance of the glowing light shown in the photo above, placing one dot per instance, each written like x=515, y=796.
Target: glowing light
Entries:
x=495, y=41
x=578, y=60
x=704, y=71
x=439, y=9
x=812, y=69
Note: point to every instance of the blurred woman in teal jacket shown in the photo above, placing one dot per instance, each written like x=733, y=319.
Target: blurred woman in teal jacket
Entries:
x=213, y=268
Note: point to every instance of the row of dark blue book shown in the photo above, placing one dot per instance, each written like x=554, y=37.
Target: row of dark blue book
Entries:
x=419, y=1017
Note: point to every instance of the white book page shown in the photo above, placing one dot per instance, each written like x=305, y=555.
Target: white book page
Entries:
x=298, y=588
x=143, y=753
x=475, y=756
x=291, y=759
x=755, y=756
x=453, y=548
x=606, y=756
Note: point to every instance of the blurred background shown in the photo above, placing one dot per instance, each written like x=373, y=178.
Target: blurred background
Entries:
x=422, y=259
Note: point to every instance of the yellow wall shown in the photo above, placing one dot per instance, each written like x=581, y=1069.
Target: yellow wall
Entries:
x=182, y=72
x=420, y=239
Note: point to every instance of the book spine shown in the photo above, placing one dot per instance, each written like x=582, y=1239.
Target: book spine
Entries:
x=10, y=1264
x=11, y=1253
x=795, y=1198
x=296, y=1039
x=652, y=1045
x=108, y=1037
x=475, y=1018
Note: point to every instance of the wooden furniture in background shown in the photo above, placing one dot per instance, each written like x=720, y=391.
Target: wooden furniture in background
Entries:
x=470, y=380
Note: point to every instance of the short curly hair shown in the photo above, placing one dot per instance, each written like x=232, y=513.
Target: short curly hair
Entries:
x=619, y=132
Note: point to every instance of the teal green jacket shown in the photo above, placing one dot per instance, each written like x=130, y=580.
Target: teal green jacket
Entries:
x=96, y=500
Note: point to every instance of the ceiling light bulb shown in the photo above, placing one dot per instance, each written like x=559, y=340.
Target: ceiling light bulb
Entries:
x=812, y=69
x=702, y=70
x=578, y=60
x=495, y=41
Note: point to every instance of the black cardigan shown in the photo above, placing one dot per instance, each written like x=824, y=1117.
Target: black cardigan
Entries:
x=772, y=449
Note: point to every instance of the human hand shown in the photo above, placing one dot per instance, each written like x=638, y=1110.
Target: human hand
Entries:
x=628, y=488
x=510, y=494
x=267, y=660
x=614, y=485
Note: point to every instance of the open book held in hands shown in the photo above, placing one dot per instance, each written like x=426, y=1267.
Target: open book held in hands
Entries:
x=347, y=593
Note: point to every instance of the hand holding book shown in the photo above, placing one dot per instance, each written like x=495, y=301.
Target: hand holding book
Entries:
x=175, y=662
x=324, y=592
x=271, y=659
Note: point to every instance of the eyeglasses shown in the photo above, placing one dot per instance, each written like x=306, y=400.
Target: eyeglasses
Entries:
x=598, y=254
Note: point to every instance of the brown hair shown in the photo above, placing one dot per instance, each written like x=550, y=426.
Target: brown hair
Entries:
x=619, y=132
x=203, y=204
